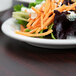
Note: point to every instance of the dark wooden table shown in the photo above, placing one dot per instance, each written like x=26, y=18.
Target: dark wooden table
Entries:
x=20, y=59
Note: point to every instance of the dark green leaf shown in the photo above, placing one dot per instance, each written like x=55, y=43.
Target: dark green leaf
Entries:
x=35, y=3
x=32, y=5
x=24, y=23
x=18, y=7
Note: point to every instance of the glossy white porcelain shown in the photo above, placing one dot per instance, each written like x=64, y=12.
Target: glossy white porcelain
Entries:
x=9, y=27
x=27, y=1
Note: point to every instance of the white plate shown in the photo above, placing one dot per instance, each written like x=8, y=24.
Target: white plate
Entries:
x=9, y=27
x=26, y=1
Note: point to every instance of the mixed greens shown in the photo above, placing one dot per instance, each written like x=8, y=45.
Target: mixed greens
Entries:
x=22, y=16
x=64, y=23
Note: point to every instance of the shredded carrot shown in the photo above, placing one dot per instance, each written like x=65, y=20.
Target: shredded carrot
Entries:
x=59, y=2
x=47, y=15
x=38, y=25
x=74, y=9
x=71, y=7
x=49, y=21
x=62, y=1
x=38, y=30
x=29, y=15
x=62, y=8
x=53, y=5
x=47, y=7
x=34, y=35
x=37, y=17
x=41, y=8
x=42, y=21
x=46, y=4
x=36, y=22
x=34, y=30
x=29, y=19
x=22, y=28
x=45, y=27
x=68, y=4
x=36, y=10
x=29, y=24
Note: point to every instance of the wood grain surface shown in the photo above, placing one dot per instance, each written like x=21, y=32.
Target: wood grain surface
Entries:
x=21, y=59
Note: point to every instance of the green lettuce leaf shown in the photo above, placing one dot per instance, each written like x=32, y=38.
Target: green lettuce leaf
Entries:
x=35, y=3
x=39, y=1
x=18, y=7
x=20, y=15
x=31, y=5
x=24, y=23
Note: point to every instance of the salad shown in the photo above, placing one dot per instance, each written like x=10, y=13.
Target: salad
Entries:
x=54, y=19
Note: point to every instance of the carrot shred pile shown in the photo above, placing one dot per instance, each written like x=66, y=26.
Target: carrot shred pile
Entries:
x=45, y=17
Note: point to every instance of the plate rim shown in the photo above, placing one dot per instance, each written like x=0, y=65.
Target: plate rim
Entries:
x=34, y=40
x=25, y=1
